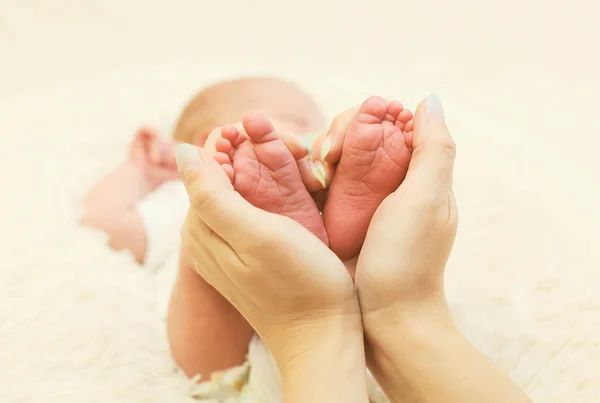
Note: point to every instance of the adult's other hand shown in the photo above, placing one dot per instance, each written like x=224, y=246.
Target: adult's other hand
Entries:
x=412, y=232
x=290, y=287
x=413, y=347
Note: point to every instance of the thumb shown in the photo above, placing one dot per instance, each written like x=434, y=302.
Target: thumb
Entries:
x=297, y=145
x=213, y=199
x=432, y=163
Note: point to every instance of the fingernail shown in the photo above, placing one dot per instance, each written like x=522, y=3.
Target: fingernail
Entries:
x=187, y=158
x=326, y=147
x=311, y=137
x=318, y=171
x=306, y=144
x=433, y=106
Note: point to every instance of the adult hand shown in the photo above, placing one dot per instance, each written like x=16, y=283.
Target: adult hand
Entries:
x=413, y=348
x=412, y=232
x=290, y=287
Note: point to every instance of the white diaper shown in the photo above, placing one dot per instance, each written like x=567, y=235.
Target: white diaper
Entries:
x=163, y=213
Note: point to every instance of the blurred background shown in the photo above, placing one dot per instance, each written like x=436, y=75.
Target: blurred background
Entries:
x=519, y=81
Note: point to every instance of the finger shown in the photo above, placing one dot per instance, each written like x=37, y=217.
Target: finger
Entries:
x=200, y=257
x=214, y=200
x=210, y=146
x=432, y=163
x=211, y=255
x=299, y=146
x=316, y=175
x=225, y=161
x=328, y=146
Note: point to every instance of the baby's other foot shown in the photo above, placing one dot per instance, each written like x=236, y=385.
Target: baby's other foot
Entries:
x=374, y=161
x=264, y=171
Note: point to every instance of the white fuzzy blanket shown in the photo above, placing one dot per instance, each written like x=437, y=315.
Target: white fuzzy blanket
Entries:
x=78, y=321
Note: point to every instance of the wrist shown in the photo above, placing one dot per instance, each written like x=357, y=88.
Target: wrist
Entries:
x=385, y=323
x=326, y=362
x=399, y=340
x=424, y=357
x=383, y=327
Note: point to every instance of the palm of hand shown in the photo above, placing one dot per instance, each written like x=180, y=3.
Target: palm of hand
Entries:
x=274, y=271
x=406, y=248
x=298, y=262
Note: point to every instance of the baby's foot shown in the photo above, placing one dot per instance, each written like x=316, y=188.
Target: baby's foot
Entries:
x=264, y=171
x=374, y=161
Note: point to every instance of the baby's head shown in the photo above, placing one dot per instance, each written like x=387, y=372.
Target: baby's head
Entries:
x=228, y=102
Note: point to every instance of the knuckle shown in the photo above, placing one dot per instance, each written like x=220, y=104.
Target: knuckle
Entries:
x=437, y=212
x=449, y=146
x=264, y=241
x=444, y=139
x=427, y=201
x=211, y=140
x=200, y=196
x=343, y=119
x=336, y=122
x=267, y=238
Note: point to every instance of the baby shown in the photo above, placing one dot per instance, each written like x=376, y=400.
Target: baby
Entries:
x=118, y=203
x=142, y=206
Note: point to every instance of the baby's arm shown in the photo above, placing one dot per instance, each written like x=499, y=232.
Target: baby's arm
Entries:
x=111, y=204
x=110, y=207
x=206, y=333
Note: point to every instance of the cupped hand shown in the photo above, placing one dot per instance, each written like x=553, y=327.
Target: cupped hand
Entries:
x=412, y=232
x=282, y=278
x=401, y=265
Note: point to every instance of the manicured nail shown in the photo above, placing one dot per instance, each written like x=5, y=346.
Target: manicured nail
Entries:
x=433, y=106
x=187, y=158
x=318, y=171
x=326, y=147
x=307, y=144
